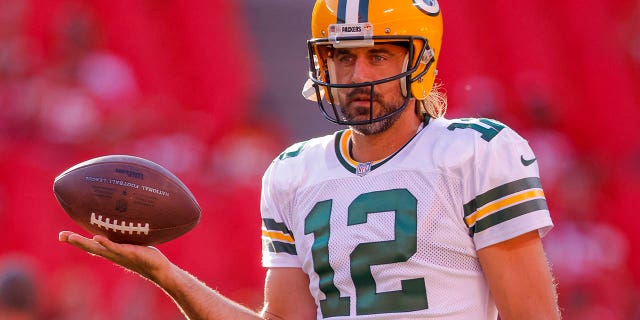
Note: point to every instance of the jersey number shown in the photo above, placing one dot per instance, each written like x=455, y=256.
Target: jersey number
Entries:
x=411, y=297
x=485, y=133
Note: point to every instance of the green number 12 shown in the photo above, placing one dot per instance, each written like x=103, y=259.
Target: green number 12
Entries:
x=411, y=297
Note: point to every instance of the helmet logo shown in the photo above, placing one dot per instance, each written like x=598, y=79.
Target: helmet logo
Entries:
x=430, y=7
x=346, y=35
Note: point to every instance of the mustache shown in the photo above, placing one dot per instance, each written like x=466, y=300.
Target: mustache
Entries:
x=360, y=93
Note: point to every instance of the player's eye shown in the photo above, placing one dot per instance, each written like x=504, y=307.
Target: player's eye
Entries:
x=345, y=58
x=378, y=58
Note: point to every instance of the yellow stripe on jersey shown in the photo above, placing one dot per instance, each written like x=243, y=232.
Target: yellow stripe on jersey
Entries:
x=501, y=204
x=275, y=235
x=345, y=140
x=344, y=148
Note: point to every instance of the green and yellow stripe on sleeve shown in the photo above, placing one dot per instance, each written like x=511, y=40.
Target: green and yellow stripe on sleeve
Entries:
x=504, y=203
x=276, y=237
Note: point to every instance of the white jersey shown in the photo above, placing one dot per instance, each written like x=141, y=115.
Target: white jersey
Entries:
x=397, y=238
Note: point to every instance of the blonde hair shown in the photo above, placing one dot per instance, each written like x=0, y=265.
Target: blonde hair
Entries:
x=435, y=104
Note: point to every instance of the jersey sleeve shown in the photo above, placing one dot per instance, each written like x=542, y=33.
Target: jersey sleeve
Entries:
x=504, y=192
x=278, y=243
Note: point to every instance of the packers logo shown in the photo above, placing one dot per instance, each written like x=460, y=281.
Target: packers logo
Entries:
x=430, y=7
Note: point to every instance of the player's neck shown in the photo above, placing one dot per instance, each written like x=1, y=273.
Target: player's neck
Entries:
x=367, y=148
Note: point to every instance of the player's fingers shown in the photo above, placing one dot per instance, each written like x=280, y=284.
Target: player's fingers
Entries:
x=64, y=235
x=85, y=244
x=109, y=245
x=127, y=251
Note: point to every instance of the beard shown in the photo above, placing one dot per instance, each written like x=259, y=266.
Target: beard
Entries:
x=356, y=113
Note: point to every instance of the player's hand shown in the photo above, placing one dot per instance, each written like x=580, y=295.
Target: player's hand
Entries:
x=146, y=261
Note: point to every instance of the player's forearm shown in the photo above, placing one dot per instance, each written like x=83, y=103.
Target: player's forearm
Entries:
x=196, y=300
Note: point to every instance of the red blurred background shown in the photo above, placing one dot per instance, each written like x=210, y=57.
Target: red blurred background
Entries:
x=210, y=90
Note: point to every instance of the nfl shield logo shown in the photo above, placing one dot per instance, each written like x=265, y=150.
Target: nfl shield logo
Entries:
x=363, y=168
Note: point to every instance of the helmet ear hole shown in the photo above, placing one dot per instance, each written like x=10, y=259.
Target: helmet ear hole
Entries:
x=421, y=87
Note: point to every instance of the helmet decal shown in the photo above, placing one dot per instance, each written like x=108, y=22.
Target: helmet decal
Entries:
x=359, y=35
x=430, y=7
x=353, y=11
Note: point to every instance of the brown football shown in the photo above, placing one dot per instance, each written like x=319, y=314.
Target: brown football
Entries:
x=127, y=199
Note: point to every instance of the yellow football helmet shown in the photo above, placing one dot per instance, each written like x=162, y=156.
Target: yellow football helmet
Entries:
x=361, y=23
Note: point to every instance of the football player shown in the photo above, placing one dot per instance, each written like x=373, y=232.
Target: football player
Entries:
x=404, y=214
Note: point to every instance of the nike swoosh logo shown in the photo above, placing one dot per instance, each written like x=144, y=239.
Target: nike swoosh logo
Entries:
x=527, y=162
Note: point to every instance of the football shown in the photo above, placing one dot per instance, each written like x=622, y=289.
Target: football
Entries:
x=127, y=199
